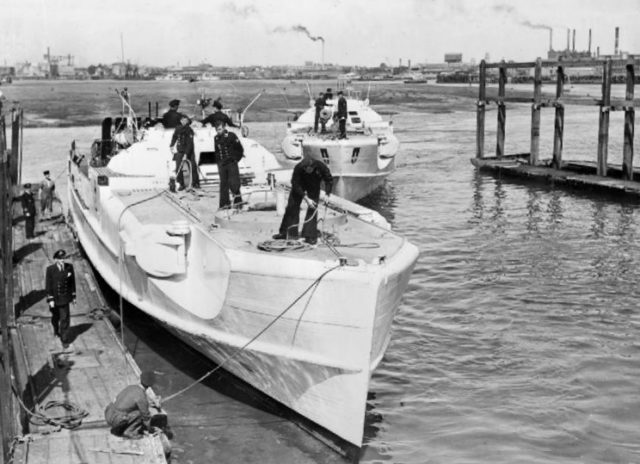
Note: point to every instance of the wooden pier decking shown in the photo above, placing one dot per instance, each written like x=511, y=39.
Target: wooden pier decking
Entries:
x=90, y=377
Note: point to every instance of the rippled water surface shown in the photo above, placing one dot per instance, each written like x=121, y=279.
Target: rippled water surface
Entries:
x=517, y=340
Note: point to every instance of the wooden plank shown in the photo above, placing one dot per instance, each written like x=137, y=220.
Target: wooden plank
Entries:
x=564, y=63
x=603, y=125
x=629, y=125
x=502, y=112
x=534, y=152
x=482, y=95
x=558, y=130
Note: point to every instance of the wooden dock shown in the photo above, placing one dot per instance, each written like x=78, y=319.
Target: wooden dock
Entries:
x=599, y=175
x=89, y=378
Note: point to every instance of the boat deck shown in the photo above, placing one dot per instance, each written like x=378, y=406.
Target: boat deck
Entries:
x=90, y=377
x=244, y=230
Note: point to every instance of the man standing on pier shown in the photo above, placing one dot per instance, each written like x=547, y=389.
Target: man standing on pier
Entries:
x=47, y=194
x=29, y=211
x=342, y=115
x=228, y=151
x=305, y=185
x=61, y=291
x=171, y=119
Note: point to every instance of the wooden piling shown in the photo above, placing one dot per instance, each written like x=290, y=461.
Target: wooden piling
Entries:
x=502, y=111
x=6, y=303
x=558, y=131
x=482, y=96
x=534, y=154
x=603, y=126
x=629, y=123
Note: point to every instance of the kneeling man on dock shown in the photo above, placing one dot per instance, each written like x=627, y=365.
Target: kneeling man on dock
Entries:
x=128, y=415
x=61, y=291
x=305, y=185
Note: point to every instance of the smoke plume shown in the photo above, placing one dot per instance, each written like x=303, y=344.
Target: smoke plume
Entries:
x=531, y=25
x=301, y=29
x=239, y=11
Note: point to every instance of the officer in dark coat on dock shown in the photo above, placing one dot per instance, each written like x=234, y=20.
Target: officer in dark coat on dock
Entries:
x=128, y=415
x=171, y=119
x=218, y=117
x=305, y=185
x=61, y=290
x=228, y=151
x=29, y=211
x=341, y=114
x=182, y=139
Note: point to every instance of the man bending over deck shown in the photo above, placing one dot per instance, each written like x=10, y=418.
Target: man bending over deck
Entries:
x=305, y=185
x=128, y=415
x=218, y=117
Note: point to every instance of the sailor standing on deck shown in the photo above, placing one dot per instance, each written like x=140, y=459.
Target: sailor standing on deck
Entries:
x=61, y=290
x=228, y=151
x=29, y=211
x=320, y=103
x=47, y=194
x=171, y=118
x=305, y=185
x=182, y=139
x=218, y=117
x=342, y=115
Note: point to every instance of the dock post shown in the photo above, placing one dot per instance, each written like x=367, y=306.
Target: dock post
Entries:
x=534, y=153
x=629, y=123
x=16, y=145
x=482, y=97
x=6, y=305
x=558, y=131
x=603, y=126
x=502, y=111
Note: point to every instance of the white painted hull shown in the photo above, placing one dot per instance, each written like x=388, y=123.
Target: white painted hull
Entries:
x=316, y=360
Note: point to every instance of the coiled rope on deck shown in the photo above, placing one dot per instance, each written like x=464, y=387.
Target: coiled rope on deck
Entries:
x=71, y=420
x=254, y=338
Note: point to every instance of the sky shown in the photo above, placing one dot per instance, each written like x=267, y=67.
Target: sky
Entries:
x=263, y=32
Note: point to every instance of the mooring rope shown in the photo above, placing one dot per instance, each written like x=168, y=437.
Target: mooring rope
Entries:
x=254, y=338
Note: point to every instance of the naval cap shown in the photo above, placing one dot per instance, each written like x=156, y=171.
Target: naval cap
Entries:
x=174, y=102
x=60, y=254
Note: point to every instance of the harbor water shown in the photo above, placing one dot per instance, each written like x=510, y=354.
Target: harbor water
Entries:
x=517, y=339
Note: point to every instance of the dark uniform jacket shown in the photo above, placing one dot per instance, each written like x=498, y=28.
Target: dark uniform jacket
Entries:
x=218, y=117
x=183, y=137
x=320, y=103
x=28, y=204
x=171, y=119
x=228, y=148
x=342, y=108
x=303, y=182
x=133, y=398
x=60, y=284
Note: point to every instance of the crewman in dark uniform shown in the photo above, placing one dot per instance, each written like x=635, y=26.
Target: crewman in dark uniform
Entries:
x=61, y=290
x=228, y=151
x=171, y=119
x=320, y=103
x=341, y=114
x=183, y=140
x=328, y=94
x=29, y=211
x=218, y=117
x=129, y=415
x=305, y=185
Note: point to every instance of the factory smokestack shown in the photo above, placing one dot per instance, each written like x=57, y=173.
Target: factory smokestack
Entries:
x=409, y=64
x=568, y=39
x=399, y=62
x=323, y=54
x=589, y=47
x=598, y=51
x=574, y=41
x=615, y=52
x=550, y=39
